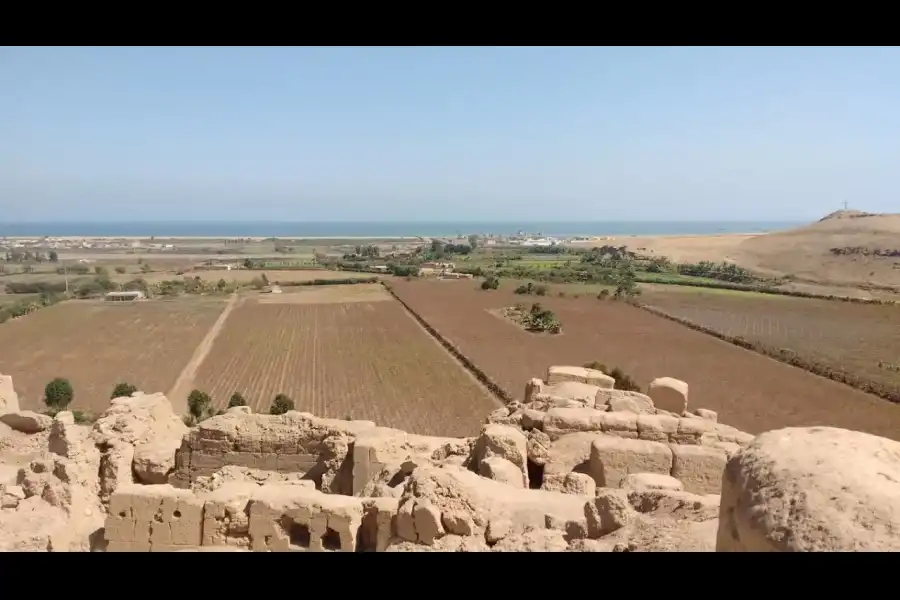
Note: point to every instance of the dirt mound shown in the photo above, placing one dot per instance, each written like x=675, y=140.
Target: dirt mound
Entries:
x=845, y=248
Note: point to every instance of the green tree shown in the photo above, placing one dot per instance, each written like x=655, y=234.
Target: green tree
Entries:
x=58, y=394
x=122, y=390
x=473, y=241
x=490, y=283
x=199, y=405
x=625, y=280
x=54, y=257
x=281, y=405
x=236, y=400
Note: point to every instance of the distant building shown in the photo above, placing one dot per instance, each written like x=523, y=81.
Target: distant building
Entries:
x=439, y=266
x=125, y=296
x=220, y=267
x=544, y=242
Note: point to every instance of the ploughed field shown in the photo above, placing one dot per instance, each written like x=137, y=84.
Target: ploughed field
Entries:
x=750, y=391
x=339, y=356
x=860, y=339
x=97, y=344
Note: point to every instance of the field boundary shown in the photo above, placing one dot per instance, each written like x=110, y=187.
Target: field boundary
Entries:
x=772, y=291
x=480, y=375
x=785, y=356
x=468, y=372
x=178, y=393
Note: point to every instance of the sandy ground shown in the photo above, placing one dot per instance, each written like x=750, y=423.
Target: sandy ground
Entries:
x=680, y=248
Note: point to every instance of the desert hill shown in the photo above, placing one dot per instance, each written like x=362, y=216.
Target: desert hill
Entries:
x=847, y=247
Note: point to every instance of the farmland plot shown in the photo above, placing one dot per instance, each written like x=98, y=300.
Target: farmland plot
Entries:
x=854, y=338
x=749, y=391
x=363, y=360
x=97, y=345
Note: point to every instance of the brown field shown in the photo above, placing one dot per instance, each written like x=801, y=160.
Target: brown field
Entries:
x=96, y=345
x=748, y=390
x=168, y=271
x=328, y=294
x=847, y=337
x=243, y=276
x=365, y=360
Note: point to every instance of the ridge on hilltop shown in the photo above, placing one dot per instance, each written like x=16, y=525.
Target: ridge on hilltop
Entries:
x=845, y=248
x=576, y=466
x=846, y=213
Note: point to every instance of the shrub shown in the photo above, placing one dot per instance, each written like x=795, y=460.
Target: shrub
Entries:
x=83, y=418
x=122, y=389
x=236, y=400
x=623, y=381
x=527, y=288
x=199, y=405
x=490, y=283
x=281, y=405
x=58, y=394
x=541, y=319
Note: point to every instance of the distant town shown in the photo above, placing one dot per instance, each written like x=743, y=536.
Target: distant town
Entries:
x=171, y=245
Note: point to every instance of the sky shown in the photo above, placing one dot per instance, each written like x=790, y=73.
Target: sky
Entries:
x=447, y=133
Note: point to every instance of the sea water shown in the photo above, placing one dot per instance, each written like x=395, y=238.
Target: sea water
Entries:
x=382, y=229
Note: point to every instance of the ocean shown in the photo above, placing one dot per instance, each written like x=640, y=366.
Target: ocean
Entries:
x=384, y=229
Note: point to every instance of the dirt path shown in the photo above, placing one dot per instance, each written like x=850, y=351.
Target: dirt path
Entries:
x=182, y=387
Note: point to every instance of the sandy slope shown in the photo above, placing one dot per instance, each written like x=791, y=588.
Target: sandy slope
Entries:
x=680, y=248
x=805, y=252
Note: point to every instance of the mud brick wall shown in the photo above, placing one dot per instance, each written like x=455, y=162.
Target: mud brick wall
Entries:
x=281, y=517
x=159, y=517
x=654, y=428
x=291, y=443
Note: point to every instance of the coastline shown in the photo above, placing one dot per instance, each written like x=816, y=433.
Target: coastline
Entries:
x=411, y=238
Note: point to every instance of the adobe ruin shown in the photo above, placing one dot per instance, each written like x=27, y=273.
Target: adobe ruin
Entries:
x=575, y=466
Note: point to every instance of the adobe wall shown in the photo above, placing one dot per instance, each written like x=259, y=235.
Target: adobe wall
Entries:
x=274, y=517
x=575, y=466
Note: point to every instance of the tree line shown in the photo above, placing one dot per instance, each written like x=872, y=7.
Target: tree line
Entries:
x=59, y=394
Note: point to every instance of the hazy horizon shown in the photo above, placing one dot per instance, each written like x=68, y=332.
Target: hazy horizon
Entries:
x=446, y=134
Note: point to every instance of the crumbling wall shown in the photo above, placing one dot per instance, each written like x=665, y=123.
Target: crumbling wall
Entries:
x=577, y=466
x=293, y=443
x=9, y=399
x=577, y=424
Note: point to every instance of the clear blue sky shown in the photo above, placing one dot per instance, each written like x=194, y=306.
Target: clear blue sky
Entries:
x=426, y=133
